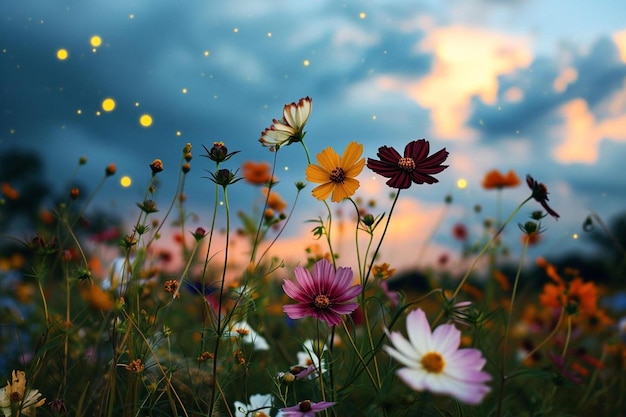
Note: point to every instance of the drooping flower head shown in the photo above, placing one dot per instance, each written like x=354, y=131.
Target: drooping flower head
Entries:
x=540, y=194
x=414, y=167
x=306, y=408
x=325, y=294
x=494, y=179
x=433, y=361
x=289, y=129
x=336, y=175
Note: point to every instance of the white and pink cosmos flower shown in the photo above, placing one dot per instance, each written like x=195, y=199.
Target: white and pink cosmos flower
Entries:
x=433, y=361
x=289, y=128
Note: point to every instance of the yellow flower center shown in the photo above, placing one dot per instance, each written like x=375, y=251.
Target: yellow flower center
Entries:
x=337, y=175
x=433, y=362
x=321, y=301
x=407, y=164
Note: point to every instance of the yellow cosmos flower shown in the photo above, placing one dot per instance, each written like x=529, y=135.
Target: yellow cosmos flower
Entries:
x=336, y=175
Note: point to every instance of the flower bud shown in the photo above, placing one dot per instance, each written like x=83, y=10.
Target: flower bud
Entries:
x=110, y=170
x=156, y=166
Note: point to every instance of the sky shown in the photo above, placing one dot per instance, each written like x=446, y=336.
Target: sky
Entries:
x=535, y=86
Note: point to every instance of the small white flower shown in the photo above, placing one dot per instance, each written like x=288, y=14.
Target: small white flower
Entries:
x=242, y=328
x=309, y=362
x=433, y=361
x=15, y=391
x=258, y=405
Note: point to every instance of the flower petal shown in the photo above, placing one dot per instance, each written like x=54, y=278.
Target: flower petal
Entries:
x=317, y=174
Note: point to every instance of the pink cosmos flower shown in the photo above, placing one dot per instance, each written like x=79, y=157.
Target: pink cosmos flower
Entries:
x=325, y=294
x=305, y=409
x=434, y=362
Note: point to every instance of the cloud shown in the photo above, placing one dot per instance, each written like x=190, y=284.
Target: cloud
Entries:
x=582, y=132
x=467, y=62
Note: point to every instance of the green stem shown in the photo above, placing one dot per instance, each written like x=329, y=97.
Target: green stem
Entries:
x=380, y=242
x=503, y=378
x=255, y=243
x=219, y=327
x=487, y=245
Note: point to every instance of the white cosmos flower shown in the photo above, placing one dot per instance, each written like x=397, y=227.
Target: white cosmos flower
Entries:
x=242, y=328
x=259, y=405
x=289, y=128
x=16, y=389
x=309, y=363
x=433, y=361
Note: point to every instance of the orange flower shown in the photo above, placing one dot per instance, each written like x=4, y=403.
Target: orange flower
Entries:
x=495, y=179
x=96, y=297
x=502, y=280
x=335, y=174
x=577, y=296
x=257, y=173
x=9, y=192
x=383, y=271
x=274, y=201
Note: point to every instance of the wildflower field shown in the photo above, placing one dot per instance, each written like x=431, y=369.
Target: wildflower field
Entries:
x=99, y=320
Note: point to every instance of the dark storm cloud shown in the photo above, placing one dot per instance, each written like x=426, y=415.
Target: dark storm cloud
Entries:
x=600, y=73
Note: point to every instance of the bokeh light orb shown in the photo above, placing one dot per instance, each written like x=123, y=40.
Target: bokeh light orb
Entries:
x=461, y=183
x=95, y=41
x=62, y=54
x=145, y=120
x=125, y=181
x=108, y=104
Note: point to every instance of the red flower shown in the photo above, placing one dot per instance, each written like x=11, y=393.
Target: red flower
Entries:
x=416, y=166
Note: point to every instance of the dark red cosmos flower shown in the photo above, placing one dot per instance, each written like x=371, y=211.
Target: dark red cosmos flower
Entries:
x=415, y=166
x=540, y=194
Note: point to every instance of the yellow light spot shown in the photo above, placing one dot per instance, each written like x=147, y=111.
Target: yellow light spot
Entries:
x=575, y=236
x=136, y=104
x=178, y=133
x=98, y=113
x=95, y=41
x=131, y=16
x=362, y=15
x=461, y=183
x=145, y=120
x=207, y=53
x=184, y=91
x=62, y=54
x=236, y=30
x=108, y=104
x=374, y=117
x=269, y=34
x=306, y=62
x=125, y=181
x=286, y=168
x=79, y=111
